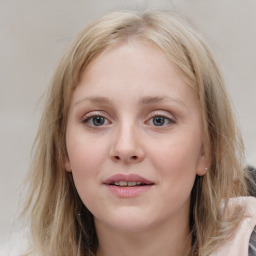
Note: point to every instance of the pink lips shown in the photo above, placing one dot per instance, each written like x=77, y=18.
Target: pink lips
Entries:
x=128, y=177
x=127, y=186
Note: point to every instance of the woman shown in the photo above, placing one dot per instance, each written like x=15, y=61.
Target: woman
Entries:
x=137, y=151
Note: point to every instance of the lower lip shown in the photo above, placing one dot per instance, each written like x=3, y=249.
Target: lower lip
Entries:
x=128, y=192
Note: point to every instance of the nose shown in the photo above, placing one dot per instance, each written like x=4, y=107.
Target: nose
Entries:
x=127, y=145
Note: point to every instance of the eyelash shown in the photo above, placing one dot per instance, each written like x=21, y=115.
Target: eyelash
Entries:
x=89, y=118
x=168, y=119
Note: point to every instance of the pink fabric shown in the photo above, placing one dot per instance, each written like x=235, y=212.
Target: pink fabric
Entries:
x=238, y=245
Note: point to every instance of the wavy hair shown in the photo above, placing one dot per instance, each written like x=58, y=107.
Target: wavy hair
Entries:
x=59, y=222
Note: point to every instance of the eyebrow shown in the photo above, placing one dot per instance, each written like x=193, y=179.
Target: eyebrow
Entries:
x=102, y=100
x=157, y=99
x=143, y=101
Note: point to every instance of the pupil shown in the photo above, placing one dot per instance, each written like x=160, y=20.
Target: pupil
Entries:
x=98, y=120
x=158, y=121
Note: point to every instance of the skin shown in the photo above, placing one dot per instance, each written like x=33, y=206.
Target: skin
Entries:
x=127, y=88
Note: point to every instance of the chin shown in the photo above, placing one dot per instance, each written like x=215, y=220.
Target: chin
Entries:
x=127, y=221
x=131, y=226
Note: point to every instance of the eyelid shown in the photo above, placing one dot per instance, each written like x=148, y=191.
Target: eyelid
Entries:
x=169, y=117
x=85, y=118
x=162, y=113
x=95, y=113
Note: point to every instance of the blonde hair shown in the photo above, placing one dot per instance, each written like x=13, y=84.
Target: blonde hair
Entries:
x=60, y=223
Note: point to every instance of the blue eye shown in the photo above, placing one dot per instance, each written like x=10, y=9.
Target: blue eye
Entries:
x=95, y=120
x=98, y=120
x=159, y=120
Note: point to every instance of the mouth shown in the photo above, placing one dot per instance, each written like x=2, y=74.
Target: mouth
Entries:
x=128, y=185
x=127, y=180
x=123, y=183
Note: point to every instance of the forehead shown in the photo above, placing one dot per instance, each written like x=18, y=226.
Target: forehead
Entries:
x=133, y=66
x=135, y=56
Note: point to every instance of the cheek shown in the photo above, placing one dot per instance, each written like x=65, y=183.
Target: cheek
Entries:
x=180, y=155
x=86, y=159
x=85, y=167
x=85, y=153
x=178, y=175
x=176, y=160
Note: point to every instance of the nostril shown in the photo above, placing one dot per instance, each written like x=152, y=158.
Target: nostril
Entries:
x=131, y=158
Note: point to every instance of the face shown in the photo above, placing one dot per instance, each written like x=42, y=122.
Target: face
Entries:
x=134, y=139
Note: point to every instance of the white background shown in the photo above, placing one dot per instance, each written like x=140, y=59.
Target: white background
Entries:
x=33, y=34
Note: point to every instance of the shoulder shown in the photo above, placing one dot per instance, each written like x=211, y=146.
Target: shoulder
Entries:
x=248, y=203
x=243, y=240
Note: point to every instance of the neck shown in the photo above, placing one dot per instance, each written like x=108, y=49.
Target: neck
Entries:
x=164, y=240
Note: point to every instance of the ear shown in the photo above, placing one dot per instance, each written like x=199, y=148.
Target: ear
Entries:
x=203, y=162
x=67, y=164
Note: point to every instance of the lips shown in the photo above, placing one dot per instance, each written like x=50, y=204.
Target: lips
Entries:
x=128, y=186
x=129, y=180
x=123, y=183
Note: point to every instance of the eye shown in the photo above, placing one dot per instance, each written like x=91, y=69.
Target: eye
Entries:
x=160, y=120
x=95, y=120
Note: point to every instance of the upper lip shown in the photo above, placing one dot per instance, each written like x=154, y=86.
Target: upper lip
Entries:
x=127, y=178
